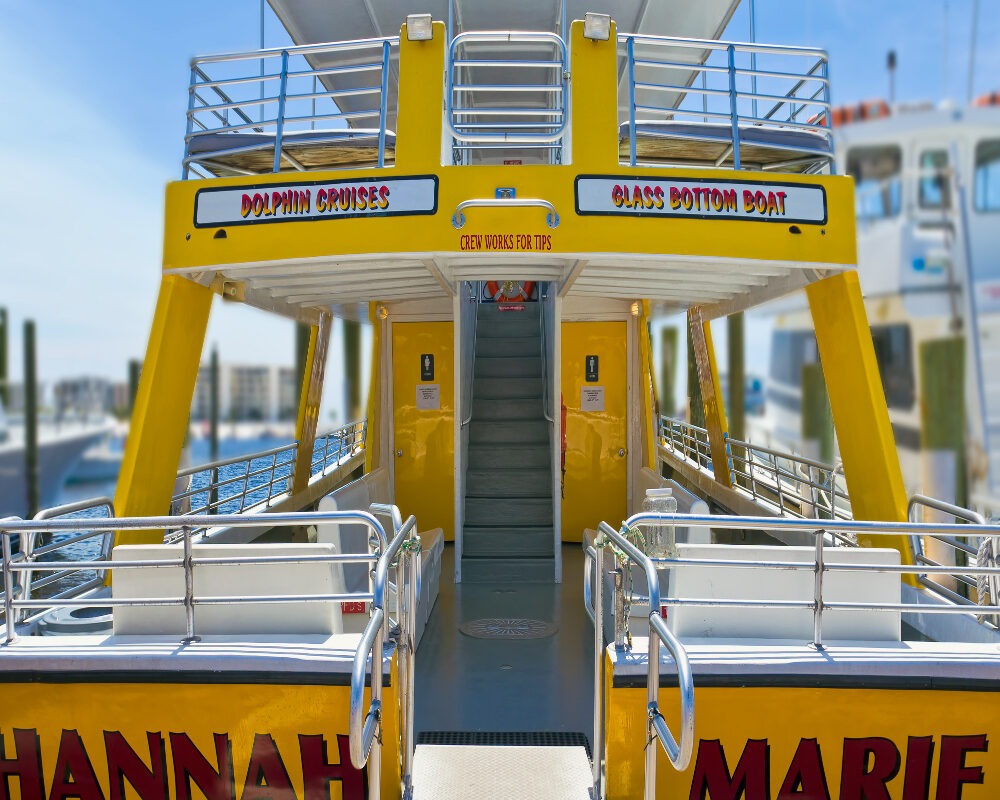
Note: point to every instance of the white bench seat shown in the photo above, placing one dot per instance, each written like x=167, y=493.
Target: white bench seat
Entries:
x=235, y=581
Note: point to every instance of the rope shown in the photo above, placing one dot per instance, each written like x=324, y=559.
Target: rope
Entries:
x=634, y=535
x=988, y=555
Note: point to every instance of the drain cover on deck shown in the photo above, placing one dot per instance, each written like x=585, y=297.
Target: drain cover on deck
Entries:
x=508, y=628
x=506, y=738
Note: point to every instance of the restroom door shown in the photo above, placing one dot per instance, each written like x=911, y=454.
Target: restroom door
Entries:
x=423, y=400
x=595, y=393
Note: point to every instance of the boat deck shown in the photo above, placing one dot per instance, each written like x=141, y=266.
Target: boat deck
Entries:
x=466, y=684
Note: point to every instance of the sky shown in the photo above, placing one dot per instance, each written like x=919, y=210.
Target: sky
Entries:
x=93, y=101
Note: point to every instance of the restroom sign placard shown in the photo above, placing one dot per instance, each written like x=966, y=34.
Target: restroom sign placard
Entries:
x=755, y=201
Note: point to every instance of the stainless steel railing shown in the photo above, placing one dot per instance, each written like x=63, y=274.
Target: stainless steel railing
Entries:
x=504, y=90
x=256, y=481
x=365, y=724
x=821, y=566
x=790, y=484
x=66, y=582
x=679, y=753
x=470, y=379
x=16, y=563
x=730, y=89
x=960, y=587
x=626, y=554
x=241, y=103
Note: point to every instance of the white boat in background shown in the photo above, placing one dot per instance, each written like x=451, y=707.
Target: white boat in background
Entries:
x=61, y=444
x=928, y=198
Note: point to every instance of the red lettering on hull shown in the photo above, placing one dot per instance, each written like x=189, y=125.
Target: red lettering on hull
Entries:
x=868, y=767
x=75, y=774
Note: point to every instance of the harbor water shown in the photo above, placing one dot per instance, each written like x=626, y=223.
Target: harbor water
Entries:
x=198, y=453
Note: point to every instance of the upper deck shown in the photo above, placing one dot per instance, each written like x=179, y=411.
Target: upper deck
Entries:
x=680, y=171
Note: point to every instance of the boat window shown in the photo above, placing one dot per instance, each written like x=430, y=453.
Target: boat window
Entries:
x=934, y=180
x=895, y=364
x=876, y=172
x=987, y=189
x=789, y=351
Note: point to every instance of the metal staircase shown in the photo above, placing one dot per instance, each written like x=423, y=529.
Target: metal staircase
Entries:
x=508, y=531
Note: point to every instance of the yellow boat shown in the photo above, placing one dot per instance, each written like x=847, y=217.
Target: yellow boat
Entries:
x=462, y=595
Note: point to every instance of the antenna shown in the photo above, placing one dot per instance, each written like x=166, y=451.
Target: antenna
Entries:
x=972, y=51
x=890, y=63
x=944, y=54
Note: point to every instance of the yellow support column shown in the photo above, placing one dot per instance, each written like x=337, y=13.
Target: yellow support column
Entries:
x=594, y=65
x=310, y=396
x=421, y=100
x=650, y=423
x=860, y=415
x=162, y=404
x=715, y=410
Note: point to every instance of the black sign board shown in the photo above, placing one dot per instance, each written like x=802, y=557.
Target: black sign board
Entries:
x=591, y=369
x=426, y=366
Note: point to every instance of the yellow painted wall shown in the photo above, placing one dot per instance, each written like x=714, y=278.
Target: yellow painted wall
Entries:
x=596, y=477
x=425, y=472
x=786, y=716
x=64, y=715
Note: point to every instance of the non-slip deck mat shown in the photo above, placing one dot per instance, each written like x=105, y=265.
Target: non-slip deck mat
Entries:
x=507, y=738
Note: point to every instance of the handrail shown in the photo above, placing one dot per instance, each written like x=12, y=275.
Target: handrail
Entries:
x=589, y=560
x=804, y=91
x=507, y=132
x=363, y=729
x=940, y=505
x=299, y=50
x=31, y=553
x=262, y=477
x=819, y=528
x=16, y=563
x=475, y=339
x=224, y=99
x=545, y=361
x=551, y=219
x=679, y=754
x=791, y=483
x=917, y=542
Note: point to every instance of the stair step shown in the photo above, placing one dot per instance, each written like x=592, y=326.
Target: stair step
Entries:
x=509, y=431
x=506, y=483
x=500, y=328
x=527, y=542
x=509, y=366
x=508, y=570
x=489, y=456
x=530, y=408
x=488, y=512
x=508, y=346
x=495, y=388
x=502, y=309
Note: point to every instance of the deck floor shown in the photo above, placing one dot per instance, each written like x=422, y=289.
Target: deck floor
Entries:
x=469, y=684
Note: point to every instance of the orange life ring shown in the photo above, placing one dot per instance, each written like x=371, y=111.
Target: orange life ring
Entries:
x=510, y=291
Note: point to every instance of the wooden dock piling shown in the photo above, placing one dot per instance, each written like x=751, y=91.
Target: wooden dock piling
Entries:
x=31, y=475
